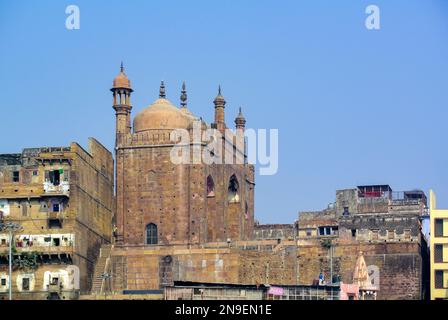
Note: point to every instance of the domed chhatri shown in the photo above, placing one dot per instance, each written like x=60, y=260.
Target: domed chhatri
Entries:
x=240, y=121
x=162, y=114
x=121, y=80
x=219, y=100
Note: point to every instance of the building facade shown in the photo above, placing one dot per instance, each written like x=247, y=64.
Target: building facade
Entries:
x=62, y=199
x=194, y=222
x=377, y=222
x=439, y=250
x=159, y=202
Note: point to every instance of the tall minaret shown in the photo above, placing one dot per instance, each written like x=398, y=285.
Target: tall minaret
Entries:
x=220, y=104
x=240, y=121
x=121, y=90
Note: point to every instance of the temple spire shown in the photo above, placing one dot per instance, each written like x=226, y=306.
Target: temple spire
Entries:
x=162, y=93
x=183, y=96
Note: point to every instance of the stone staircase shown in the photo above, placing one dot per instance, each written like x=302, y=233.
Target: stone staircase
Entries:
x=100, y=267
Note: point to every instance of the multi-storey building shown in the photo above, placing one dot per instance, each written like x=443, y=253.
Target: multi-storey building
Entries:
x=62, y=199
x=382, y=225
x=439, y=250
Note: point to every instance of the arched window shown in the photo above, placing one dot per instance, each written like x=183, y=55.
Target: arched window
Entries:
x=233, y=195
x=210, y=187
x=151, y=234
x=246, y=211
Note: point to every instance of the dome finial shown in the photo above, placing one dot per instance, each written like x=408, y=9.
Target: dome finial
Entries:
x=183, y=96
x=162, y=93
x=121, y=67
x=219, y=100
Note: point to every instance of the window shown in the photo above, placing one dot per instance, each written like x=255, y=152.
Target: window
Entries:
x=308, y=233
x=346, y=212
x=353, y=233
x=151, y=234
x=26, y=284
x=210, y=187
x=24, y=209
x=3, y=282
x=439, y=279
x=407, y=234
x=15, y=176
x=56, y=207
x=374, y=235
x=233, y=195
x=54, y=176
x=328, y=231
x=438, y=228
x=438, y=253
x=391, y=234
x=54, y=223
x=56, y=242
x=35, y=173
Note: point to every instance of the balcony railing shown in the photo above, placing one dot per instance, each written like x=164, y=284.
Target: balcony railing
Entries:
x=394, y=197
x=62, y=188
x=55, y=287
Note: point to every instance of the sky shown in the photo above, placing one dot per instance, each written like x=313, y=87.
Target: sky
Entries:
x=352, y=106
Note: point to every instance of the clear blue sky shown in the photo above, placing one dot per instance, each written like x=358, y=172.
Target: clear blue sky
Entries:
x=352, y=106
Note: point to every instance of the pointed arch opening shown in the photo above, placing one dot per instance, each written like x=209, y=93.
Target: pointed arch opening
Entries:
x=151, y=234
x=233, y=191
x=210, y=187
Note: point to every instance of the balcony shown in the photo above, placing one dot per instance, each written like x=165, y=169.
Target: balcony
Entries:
x=55, y=220
x=63, y=188
x=55, y=286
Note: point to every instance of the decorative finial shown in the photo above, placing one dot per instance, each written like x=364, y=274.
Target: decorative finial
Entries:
x=121, y=67
x=162, y=94
x=219, y=100
x=183, y=96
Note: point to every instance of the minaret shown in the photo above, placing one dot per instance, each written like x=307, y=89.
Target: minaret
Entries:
x=122, y=90
x=183, y=97
x=220, y=104
x=240, y=121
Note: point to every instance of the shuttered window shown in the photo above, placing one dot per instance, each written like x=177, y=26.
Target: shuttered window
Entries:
x=439, y=279
x=438, y=228
x=438, y=253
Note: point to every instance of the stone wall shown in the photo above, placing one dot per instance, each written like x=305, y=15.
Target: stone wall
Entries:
x=153, y=190
x=240, y=263
x=400, y=265
x=274, y=231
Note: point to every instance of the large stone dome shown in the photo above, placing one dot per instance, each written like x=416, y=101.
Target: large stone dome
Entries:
x=162, y=115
